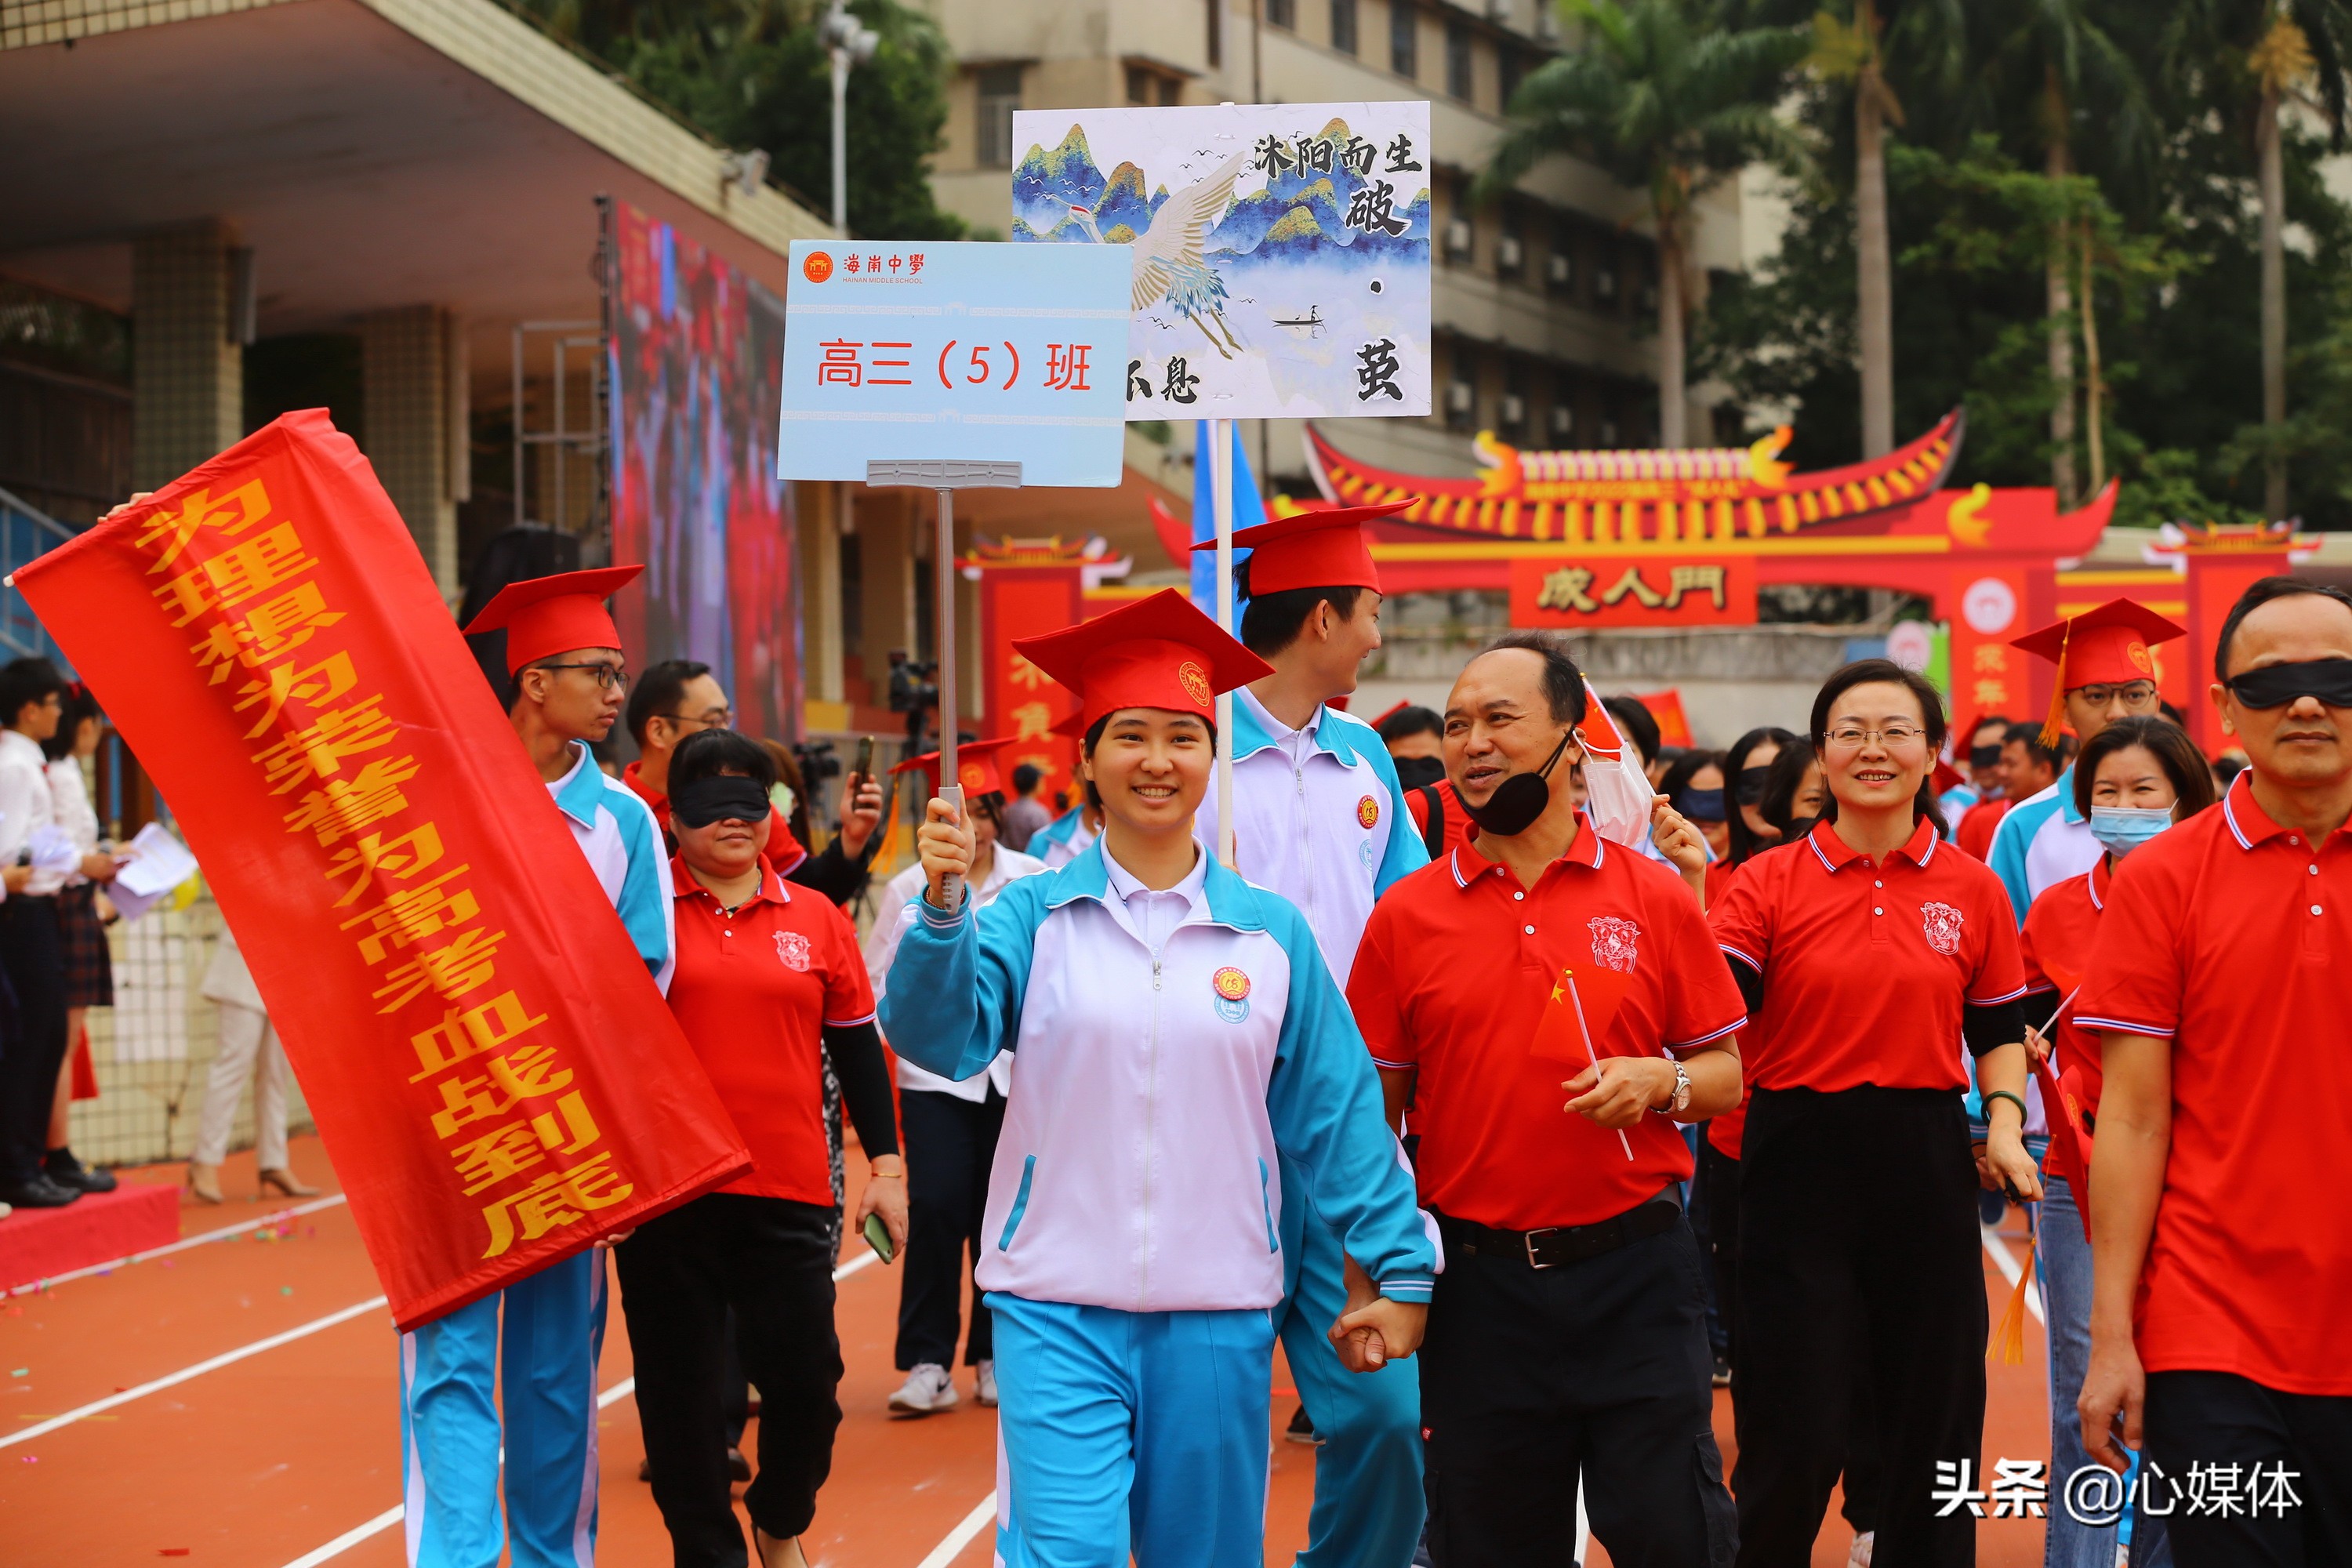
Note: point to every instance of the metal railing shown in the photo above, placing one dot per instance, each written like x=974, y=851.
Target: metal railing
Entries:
x=26, y=531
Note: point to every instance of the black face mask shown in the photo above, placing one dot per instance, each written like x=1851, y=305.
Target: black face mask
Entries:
x=706, y=801
x=1518, y=800
x=1749, y=785
x=1412, y=772
x=1984, y=756
x=1701, y=804
x=2276, y=685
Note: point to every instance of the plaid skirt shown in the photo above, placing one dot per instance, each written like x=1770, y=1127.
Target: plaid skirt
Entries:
x=90, y=972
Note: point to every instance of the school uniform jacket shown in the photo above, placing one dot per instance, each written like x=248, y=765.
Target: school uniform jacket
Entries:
x=616, y=830
x=1138, y=1165
x=2042, y=841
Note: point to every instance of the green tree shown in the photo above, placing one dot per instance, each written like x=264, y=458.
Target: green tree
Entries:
x=752, y=74
x=1669, y=100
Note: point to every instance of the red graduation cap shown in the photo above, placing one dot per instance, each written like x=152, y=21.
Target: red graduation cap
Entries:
x=1312, y=549
x=1070, y=726
x=2108, y=644
x=975, y=767
x=1158, y=652
x=554, y=614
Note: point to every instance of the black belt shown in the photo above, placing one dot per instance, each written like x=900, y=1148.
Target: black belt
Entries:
x=1557, y=1246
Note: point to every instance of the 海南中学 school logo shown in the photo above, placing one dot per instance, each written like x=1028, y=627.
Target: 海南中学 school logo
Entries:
x=1233, y=989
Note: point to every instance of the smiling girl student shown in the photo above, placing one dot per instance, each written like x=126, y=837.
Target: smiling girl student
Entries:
x=1178, y=1035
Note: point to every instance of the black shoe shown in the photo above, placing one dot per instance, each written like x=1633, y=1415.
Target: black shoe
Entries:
x=39, y=1193
x=645, y=1469
x=1722, y=1372
x=61, y=1167
x=738, y=1469
x=1302, y=1430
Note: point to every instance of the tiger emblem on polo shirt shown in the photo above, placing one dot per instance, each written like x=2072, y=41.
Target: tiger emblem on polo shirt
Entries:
x=792, y=950
x=1615, y=942
x=1942, y=925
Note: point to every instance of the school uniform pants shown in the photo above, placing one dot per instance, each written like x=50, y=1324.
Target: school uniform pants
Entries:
x=771, y=1261
x=549, y=1328
x=1597, y=1370
x=949, y=1144
x=1368, y=1507
x=1130, y=1432
x=249, y=1048
x=2215, y=1436
x=1858, y=1258
x=33, y=957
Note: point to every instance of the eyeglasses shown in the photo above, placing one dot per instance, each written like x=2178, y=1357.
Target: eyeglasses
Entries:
x=608, y=676
x=2135, y=692
x=1852, y=737
x=725, y=721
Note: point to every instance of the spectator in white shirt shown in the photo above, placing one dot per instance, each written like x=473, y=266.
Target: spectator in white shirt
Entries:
x=81, y=932
x=32, y=700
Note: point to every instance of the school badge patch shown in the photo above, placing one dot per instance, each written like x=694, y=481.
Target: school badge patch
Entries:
x=1367, y=812
x=792, y=950
x=1233, y=989
x=1195, y=682
x=1942, y=925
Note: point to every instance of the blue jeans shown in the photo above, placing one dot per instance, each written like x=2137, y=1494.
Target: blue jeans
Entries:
x=2064, y=1262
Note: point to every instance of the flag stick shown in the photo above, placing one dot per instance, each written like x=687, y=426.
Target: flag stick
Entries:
x=1583, y=1028
x=1221, y=476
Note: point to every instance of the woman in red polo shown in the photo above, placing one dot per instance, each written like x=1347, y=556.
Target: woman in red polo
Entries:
x=765, y=975
x=1868, y=951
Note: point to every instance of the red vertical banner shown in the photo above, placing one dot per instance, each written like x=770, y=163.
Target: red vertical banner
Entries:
x=2216, y=579
x=1020, y=700
x=491, y=1066
x=1988, y=606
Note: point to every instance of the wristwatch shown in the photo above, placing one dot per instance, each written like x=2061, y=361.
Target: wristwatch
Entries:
x=1682, y=1093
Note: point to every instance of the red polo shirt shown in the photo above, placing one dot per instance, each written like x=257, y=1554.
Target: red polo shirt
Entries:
x=1726, y=1132
x=2062, y=925
x=1976, y=824
x=2231, y=936
x=784, y=851
x=1455, y=968
x=752, y=991
x=1459, y=830
x=1866, y=965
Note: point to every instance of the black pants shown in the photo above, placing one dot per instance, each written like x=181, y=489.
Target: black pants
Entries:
x=34, y=960
x=1716, y=1189
x=948, y=1143
x=1529, y=1377
x=771, y=1261
x=2197, y=1420
x=1857, y=1259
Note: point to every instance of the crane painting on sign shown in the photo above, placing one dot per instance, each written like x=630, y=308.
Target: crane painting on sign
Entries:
x=1282, y=252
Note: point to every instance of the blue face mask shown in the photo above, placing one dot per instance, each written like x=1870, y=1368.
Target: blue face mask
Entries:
x=2123, y=828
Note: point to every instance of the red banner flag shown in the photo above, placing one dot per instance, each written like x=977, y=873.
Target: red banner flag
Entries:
x=493, y=1070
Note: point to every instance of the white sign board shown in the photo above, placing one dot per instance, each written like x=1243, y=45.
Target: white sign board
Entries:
x=1281, y=250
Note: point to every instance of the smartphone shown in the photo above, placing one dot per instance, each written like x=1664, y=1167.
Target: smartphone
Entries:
x=864, y=757
x=878, y=1235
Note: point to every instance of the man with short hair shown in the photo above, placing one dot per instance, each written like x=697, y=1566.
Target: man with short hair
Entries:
x=567, y=675
x=1567, y=1336
x=2221, y=1260
x=1319, y=817
x=680, y=697
x=32, y=952
x=1025, y=814
x=2104, y=672
x=1980, y=768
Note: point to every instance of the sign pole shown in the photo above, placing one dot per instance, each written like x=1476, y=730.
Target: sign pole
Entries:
x=1220, y=475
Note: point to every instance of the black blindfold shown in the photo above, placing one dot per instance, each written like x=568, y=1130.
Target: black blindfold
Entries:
x=2276, y=685
x=706, y=801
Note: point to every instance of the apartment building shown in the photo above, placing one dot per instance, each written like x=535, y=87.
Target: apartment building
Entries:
x=1544, y=303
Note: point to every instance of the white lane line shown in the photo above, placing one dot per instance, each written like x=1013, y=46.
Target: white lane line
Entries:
x=981, y=1518
x=213, y=1364
x=2011, y=1268
x=604, y=1401
x=185, y=1242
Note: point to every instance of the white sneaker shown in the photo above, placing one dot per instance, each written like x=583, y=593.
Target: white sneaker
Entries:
x=1860, y=1556
x=984, y=1377
x=928, y=1389
x=6, y=1210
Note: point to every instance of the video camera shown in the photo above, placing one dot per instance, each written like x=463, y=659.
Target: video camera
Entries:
x=914, y=691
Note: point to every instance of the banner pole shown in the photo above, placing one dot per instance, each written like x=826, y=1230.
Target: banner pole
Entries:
x=1220, y=475
x=944, y=581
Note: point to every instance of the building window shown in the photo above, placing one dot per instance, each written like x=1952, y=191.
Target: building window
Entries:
x=1172, y=91
x=1462, y=391
x=1510, y=250
x=1457, y=61
x=999, y=95
x=1216, y=32
x=1139, y=88
x=1343, y=26
x=1282, y=13
x=1404, y=53
x=1511, y=68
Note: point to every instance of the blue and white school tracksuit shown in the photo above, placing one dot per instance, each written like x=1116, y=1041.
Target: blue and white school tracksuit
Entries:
x=553, y=1327
x=1062, y=840
x=2042, y=841
x=1166, y=1093
x=1319, y=817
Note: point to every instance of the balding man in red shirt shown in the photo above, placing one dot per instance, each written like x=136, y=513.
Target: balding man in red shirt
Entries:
x=2222, y=1262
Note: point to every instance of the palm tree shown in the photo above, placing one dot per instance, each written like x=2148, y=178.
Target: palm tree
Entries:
x=1665, y=100
x=1849, y=52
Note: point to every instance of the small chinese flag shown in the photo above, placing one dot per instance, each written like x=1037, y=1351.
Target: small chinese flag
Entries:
x=2067, y=1131
x=1599, y=991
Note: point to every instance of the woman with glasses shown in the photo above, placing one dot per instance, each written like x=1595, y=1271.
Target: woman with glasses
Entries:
x=2136, y=779
x=1867, y=952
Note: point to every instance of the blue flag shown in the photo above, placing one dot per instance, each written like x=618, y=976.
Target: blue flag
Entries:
x=1248, y=512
